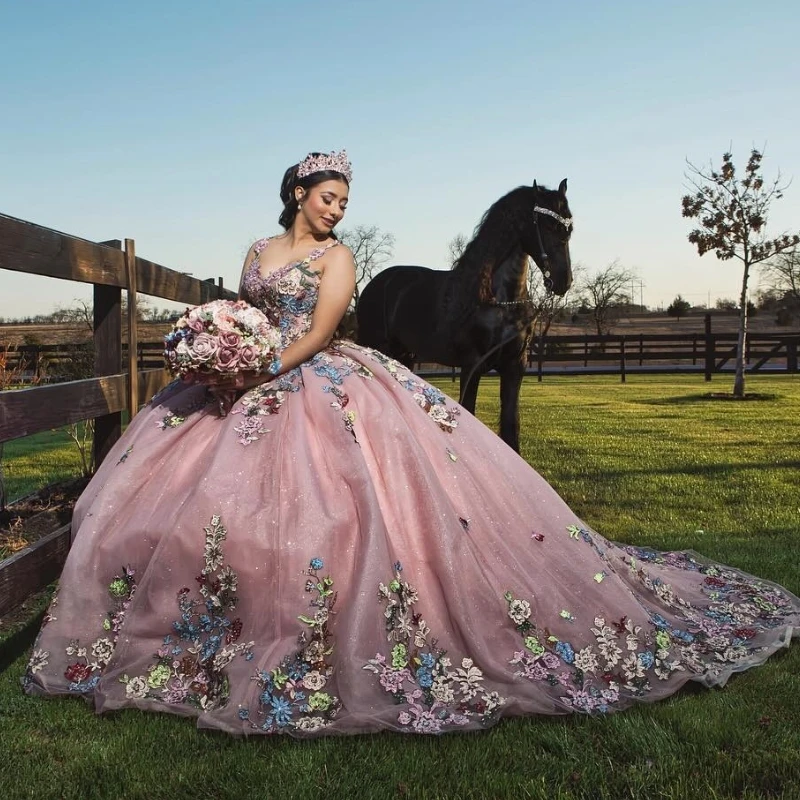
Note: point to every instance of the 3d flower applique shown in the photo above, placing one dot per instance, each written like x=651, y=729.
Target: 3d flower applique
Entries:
x=432, y=693
x=296, y=694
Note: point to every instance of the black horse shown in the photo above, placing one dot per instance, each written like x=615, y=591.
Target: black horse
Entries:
x=478, y=316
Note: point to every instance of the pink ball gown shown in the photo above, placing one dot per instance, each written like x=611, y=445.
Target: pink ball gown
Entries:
x=347, y=551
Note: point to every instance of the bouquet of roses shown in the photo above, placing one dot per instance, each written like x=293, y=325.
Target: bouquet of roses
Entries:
x=220, y=340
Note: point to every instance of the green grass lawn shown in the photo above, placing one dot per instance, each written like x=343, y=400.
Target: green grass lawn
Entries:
x=34, y=461
x=650, y=462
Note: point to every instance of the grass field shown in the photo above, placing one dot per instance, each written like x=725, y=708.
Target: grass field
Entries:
x=652, y=462
x=34, y=461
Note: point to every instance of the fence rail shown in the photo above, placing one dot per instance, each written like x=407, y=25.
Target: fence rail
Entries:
x=111, y=268
x=707, y=352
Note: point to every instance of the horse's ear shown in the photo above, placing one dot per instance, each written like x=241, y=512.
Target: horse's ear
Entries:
x=535, y=187
x=562, y=188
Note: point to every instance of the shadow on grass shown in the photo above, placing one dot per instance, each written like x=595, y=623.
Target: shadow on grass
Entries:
x=710, y=470
x=14, y=645
x=711, y=397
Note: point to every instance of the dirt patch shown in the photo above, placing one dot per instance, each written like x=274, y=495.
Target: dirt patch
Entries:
x=27, y=520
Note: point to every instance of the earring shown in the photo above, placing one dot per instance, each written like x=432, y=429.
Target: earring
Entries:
x=299, y=206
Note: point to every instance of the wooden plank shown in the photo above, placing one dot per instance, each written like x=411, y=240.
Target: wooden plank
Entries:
x=33, y=568
x=27, y=411
x=41, y=408
x=172, y=285
x=36, y=250
x=25, y=247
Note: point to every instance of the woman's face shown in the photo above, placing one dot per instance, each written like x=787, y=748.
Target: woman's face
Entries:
x=324, y=205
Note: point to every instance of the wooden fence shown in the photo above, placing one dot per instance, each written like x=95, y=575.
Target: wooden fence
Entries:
x=705, y=353
x=118, y=384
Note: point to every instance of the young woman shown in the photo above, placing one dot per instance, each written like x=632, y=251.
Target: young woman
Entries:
x=342, y=550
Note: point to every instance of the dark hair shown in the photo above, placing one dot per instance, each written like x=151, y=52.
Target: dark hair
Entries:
x=290, y=182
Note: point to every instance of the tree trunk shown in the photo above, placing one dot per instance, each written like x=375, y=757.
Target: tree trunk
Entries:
x=741, y=346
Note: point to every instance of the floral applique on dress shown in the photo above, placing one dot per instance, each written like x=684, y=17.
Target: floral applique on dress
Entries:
x=431, y=694
x=177, y=416
x=189, y=667
x=87, y=662
x=291, y=696
x=626, y=657
x=427, y=397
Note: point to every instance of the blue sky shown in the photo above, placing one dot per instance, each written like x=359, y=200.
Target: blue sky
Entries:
x=172, y=122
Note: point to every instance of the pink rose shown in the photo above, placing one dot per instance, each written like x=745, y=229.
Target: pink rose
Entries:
x=204, y=348
x=230, y=339
x=227, y=359
x=195, y=325
x=249, y=357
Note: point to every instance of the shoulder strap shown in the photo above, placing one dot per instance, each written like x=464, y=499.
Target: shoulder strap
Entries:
x=315, y=254
x=260, y=245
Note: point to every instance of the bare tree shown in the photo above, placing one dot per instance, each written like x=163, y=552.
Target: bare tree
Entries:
x=604, y=292
x=371, y=247
x=732, y=216
x=456, y=247
x=782, y=274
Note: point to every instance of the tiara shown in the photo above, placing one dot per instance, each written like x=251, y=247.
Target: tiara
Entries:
x=333, y=162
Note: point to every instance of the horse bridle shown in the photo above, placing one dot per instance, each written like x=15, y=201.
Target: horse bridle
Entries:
x=565, y=221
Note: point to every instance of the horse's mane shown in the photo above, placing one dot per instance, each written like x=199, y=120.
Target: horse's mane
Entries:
x=495, y=238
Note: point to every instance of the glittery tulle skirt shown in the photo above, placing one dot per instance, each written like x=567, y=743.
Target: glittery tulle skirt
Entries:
x=349, y=551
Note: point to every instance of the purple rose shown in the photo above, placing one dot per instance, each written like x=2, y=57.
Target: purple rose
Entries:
x=204, y=348
x=227, y=359
x=249, y=357
x=230, y=339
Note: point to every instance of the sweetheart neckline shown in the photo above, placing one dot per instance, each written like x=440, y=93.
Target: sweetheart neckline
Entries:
x=312, y=256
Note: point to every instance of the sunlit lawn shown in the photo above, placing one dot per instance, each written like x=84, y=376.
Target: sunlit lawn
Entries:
x=650, y=462
x=34, y=461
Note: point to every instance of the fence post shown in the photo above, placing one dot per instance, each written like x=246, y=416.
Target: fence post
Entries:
x=540, y=355
x=709, y=348
x=107, y=324
x=622, y=358
x=133, y=333
x=791, y=355
x=641, y=349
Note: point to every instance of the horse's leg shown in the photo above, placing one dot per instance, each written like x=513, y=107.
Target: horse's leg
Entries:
x=510, y=383
x=468, y=387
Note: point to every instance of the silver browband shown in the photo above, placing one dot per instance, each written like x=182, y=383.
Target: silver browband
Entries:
x=565, y=221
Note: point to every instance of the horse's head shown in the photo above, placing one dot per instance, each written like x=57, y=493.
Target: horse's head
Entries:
x=546, y=234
